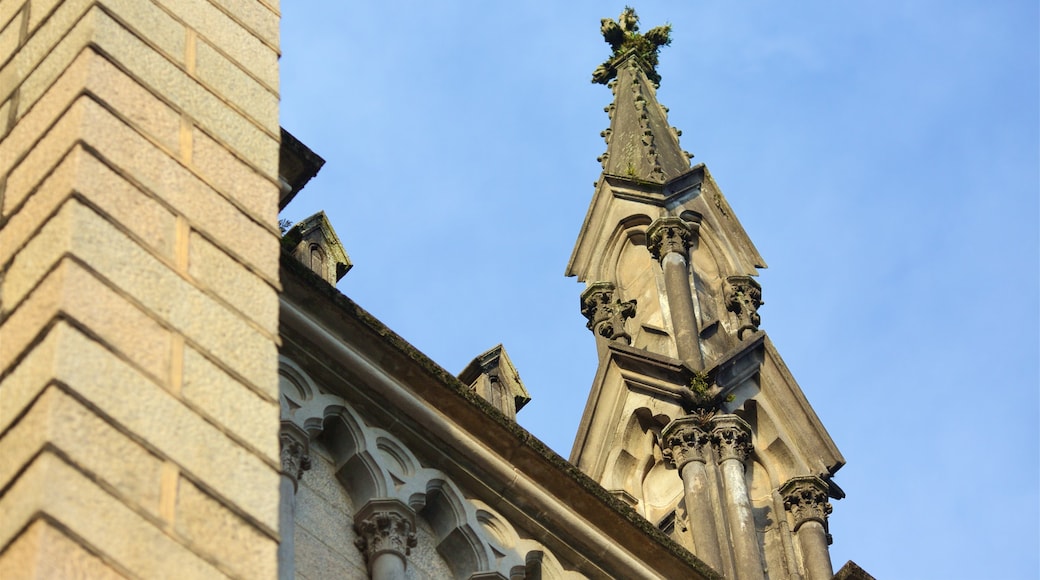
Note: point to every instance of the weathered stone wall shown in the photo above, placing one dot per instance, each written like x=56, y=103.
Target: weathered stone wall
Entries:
x=325, y=536
x=355, y=463
x=138, y=298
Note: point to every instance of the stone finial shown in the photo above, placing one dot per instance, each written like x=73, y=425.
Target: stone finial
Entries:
x=623, y=37
x=295, y=452
x=684, y=440
x=731, y=438
x=806, y=498
x=385, y=526
x=743, y=297
x=315, y=244
x=606, y=314
x=493, y=376
x=670, y=234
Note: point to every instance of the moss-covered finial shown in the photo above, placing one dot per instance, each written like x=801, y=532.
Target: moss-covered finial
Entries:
x=623, y=37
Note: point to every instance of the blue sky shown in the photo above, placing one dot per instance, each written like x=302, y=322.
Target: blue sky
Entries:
x=883, y=157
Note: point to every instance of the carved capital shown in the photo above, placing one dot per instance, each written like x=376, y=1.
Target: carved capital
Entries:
x=684, y=440
x=731, y=438
x=295, y=452
x=670, y=234
x=806, y=498
x=605, y=313
x=385, y=526
x=743, y=297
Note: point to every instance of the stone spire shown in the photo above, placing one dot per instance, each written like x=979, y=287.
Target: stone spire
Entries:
x=687, y=381
x=641, y=145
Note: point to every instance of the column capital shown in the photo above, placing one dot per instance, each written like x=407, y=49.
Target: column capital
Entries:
x=806, y=498
x=295, y=451
x=671, y=234
x=605, y=313
x=731, y=438
x=743, y=298
x=385, y=526
x=684, y=440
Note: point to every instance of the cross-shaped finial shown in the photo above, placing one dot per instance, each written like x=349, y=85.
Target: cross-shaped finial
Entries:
x=623, y=36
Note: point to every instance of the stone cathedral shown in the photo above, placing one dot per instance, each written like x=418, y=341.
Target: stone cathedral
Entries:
x=185, y=394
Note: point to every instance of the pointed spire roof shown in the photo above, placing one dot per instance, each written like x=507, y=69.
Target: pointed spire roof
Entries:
x=641, y=145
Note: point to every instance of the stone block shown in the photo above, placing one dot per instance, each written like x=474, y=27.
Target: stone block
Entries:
x=57, y=41
x=232, y=177
x=82, y=174
x=5, y=115
x=258, y=102
x=315, y=559
x=256, y=16
x=322, y=520
x=52, y=488
x=43, y=551
x=229, y=37
x=152, y=70
x=23, y=178
x=226, y=278
x=135, y=103
x=220, y=535
x=64, y=38
x=92, y=72
x=79, y=230
x=58, y=421
x=236, y=408
x=168, y=180
x=11, y=10
x=209, y=111
x=39, y=11
x=10, y=35
x=242, y=480
x=71, y=291
x=321, y=482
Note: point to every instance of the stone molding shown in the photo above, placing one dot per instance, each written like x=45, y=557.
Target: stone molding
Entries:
x=685, y=440
x=805, y=498
x=743, y=298
x=670, y=234
x=731, y=438
x=295, y=452
x=385, y=526
x=606, y=314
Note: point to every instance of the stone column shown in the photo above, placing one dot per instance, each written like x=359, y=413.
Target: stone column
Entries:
x=806, y=499
x=731, y=437
x=685, y=446
x=295, y=447
x=669, y=240
x=386, y=535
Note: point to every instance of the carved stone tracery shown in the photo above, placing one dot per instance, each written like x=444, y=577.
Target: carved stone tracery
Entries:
x=606, y=315
x=670, y=234
x=385, y=526
x=743, y=298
